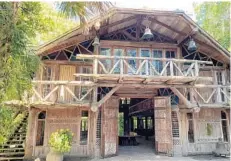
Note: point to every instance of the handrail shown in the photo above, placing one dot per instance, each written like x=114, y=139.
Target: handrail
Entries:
x=83, y=56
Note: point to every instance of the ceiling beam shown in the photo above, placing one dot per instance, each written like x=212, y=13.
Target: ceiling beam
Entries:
x=167, y=26
x=116, y=23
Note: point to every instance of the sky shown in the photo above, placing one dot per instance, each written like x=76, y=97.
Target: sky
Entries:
x=186, y=5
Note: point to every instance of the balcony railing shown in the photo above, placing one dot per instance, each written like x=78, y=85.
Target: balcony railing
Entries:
x=63, y=92
x=210, y=95
x=143, y=66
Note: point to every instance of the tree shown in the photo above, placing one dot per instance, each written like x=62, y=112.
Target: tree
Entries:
x=22, y=26
x=83, y=10
x=214, y=17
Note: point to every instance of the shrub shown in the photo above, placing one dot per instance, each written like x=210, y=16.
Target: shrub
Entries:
x=60, y=141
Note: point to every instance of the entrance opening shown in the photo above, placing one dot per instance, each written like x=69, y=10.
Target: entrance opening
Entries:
x=136, y=126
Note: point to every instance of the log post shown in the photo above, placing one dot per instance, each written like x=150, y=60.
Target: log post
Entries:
x=29, y=146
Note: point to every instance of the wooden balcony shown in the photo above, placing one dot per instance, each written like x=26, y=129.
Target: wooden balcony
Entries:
x=112, y=69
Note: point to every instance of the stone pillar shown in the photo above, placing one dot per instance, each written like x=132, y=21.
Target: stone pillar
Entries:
x=30, y=133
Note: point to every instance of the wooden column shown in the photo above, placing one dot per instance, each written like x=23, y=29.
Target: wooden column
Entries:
x=30, y=133
x=109, y=126
x=183, y=133
x=93, y=128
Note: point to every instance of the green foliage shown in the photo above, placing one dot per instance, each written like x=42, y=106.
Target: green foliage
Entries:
x=54, y=24
x=60, y=141
x=214, y=17
x=8, y=122
x=121, y=124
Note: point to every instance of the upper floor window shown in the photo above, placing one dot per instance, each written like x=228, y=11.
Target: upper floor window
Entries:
x=47, y=73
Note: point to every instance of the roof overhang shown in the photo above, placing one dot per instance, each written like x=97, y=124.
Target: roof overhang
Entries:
x=174, y=24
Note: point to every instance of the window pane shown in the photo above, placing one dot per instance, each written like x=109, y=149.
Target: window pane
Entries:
x=145, y=67
x=170, y=54
x=156, y=63
x=105, y=62
x=132, y=62
x=84, y=128
x=117, y=52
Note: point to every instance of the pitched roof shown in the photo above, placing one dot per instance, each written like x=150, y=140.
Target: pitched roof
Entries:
x=173, y=24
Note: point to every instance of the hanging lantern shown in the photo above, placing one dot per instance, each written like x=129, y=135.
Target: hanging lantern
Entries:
x=147, y=34
x=96, y=41
x=192, y=45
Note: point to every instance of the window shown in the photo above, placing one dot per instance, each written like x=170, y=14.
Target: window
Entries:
x=132, y=62
x=40, y=128
x=157, y=63
x=170, y=55
x=219, y=79
x=84, y=128
x=117, y=52
x=47, y=75
x=224, y=126
x=83, y=90
x=106, y=62
x=190, y=128
x=145, y=68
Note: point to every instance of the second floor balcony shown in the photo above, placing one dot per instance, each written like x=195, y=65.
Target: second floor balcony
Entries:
x=145, y=69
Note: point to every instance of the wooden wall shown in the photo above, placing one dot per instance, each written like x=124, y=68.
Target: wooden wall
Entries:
x=203, y=143
x=62, y=119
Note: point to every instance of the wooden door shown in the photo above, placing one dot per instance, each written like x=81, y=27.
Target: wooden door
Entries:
x=163, y=125
x=109, y=126
x=67, y=73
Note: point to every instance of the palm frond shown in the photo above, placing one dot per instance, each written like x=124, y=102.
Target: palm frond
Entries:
x=83, y=10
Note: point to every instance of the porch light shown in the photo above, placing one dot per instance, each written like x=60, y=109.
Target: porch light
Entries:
x=96, y=41
x=192, y=45
x=147, y=34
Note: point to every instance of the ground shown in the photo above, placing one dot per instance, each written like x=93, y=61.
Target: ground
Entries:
x=145, y=152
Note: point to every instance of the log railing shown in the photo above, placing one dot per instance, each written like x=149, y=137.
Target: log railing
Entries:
x=71, y=92
x=124, y=65
x=210, y=95
x=147, y=104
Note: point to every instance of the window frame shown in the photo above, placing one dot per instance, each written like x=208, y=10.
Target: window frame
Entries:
x=45, y=125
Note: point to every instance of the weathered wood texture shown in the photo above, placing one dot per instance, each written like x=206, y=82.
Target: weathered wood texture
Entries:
x=61, y=119
x=163, y=125
x=109, y=144
x=205, y=142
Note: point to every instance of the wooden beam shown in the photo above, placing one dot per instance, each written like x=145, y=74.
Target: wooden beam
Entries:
x=138, y=44
x=108, y=95
x=117, y=23
x=184, y=100
x=167, y=26
x=128, y=35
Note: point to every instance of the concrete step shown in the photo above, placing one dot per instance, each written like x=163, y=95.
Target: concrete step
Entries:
x=11, y=149
x=11, y=153
x=12, y=146
x=10, y=158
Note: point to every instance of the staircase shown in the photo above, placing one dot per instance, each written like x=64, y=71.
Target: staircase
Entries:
x=13, y=149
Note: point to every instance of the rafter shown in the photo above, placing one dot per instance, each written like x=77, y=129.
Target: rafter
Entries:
x=167, y=26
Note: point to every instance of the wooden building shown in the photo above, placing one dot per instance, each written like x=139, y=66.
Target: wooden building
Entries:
x=87, y=74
